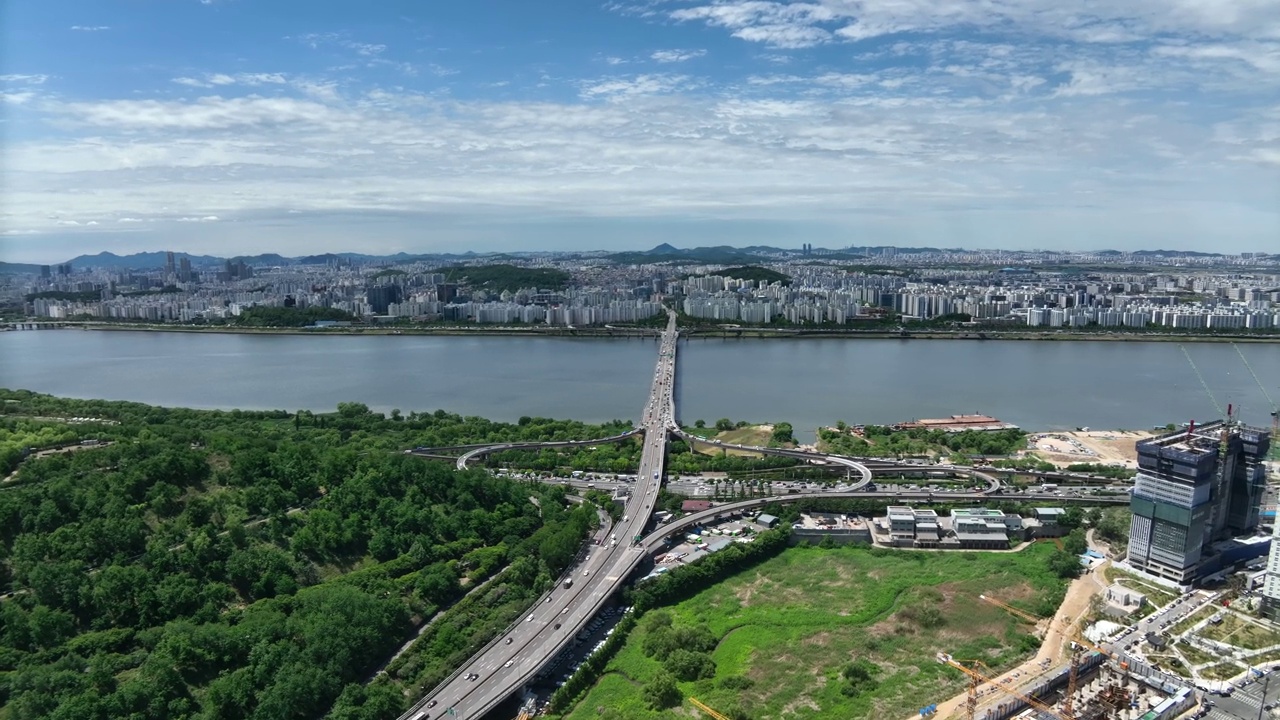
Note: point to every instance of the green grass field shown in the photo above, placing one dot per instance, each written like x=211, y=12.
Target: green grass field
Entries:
x=1242, y=633
x=793, y=623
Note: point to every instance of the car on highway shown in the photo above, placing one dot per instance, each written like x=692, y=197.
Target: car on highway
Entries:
x=509, y=640
x=509, y=663
x=529, y=619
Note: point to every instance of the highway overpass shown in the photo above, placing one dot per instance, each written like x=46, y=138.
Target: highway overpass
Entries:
x=513, y=658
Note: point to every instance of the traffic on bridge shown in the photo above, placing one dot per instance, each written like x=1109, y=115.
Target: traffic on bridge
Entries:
x=513, y=658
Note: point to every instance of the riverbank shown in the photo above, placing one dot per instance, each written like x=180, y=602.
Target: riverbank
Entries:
x=698, y=333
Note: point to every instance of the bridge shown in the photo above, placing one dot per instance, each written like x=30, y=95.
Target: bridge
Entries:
x=512, y=659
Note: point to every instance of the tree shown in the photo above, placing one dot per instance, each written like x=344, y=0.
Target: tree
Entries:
x=661, y=692
x=699, y=423
x=724, y=424
x=1072, y=518
x=1065, y=564
x=687, y=665
x=859, y=677
x=1075, y=542
x=782, y=433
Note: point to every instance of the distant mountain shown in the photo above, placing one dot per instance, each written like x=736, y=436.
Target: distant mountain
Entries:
x=137, y=261
x=718, y=255
x=1175, y=253
x=663, y=253
x=263, y=259
x=7, y=267
x=153, y=260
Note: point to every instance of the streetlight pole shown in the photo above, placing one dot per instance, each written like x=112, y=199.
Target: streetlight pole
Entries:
x=1263, y=704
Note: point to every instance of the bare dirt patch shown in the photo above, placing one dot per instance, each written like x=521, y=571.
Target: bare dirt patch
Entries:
x=821, y=639
x=746, y=592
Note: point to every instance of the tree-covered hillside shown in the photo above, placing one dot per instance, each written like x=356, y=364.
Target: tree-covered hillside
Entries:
x=754, y=272
x=256, y=564
x=496, y=278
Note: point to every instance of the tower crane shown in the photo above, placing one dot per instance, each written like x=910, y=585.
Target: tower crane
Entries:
x=977, y=678
x=1077, y=657
x=714, y=715
x=1275, y=411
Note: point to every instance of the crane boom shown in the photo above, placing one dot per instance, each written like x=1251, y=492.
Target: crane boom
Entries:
x=1011, y=609
x=946, y=659
x=1200, y=377
x=1261, y=387
x=714, y=715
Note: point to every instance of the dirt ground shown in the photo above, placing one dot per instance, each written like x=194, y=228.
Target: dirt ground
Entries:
x=1107, y=447
x=1074, y=606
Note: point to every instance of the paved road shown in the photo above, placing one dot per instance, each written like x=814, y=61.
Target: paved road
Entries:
x=511, y=660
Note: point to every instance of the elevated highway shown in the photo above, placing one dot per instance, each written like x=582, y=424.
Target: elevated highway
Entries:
x=513, y=658
x=656, y=538
x=470, y=455
x=863, y=470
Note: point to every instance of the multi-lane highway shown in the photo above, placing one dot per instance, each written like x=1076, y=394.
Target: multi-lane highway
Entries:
x=512, y=659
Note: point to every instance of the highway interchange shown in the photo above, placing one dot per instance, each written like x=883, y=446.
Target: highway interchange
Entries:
x=513, y=658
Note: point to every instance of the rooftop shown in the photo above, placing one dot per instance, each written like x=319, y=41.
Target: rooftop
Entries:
x=976, y=513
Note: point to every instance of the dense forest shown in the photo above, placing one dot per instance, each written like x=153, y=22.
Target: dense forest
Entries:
x=263, y=316
x=256, y=564
x=624, y=457
x=883, y=441
x=755, y=273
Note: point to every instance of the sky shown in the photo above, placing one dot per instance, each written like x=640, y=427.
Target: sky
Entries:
x=245, y=126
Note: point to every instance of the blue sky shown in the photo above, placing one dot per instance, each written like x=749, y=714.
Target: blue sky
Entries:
x=237, y=126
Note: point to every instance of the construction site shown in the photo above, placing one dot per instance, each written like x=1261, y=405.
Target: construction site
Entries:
x=1218, y=475
x=1091, y=683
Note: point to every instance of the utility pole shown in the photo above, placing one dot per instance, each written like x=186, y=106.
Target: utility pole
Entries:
x=1263, y=704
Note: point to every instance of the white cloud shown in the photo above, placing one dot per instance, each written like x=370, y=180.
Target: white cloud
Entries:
x=674, y=56
x=90, y=28
x=222, y=79
x=649, y=151
x=804, y=24
x=926, y=124
x=24, y=79
x=318, y=40
x=366, y=49
x=637, y=85
x=206, y=113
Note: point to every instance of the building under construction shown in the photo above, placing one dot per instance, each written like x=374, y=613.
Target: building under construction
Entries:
x=1196, y=487
x=1104, y=693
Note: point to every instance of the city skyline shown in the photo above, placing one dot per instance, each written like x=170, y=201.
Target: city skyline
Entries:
x=221, y=127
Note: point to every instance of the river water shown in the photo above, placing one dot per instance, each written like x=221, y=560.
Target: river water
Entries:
x=1037, y=385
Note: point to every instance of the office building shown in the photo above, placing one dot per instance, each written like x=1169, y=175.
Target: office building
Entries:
x=1271, y=581
x=381, y=298
x=1194, y=488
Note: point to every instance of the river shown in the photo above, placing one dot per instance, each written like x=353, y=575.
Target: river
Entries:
x=1037, y=385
